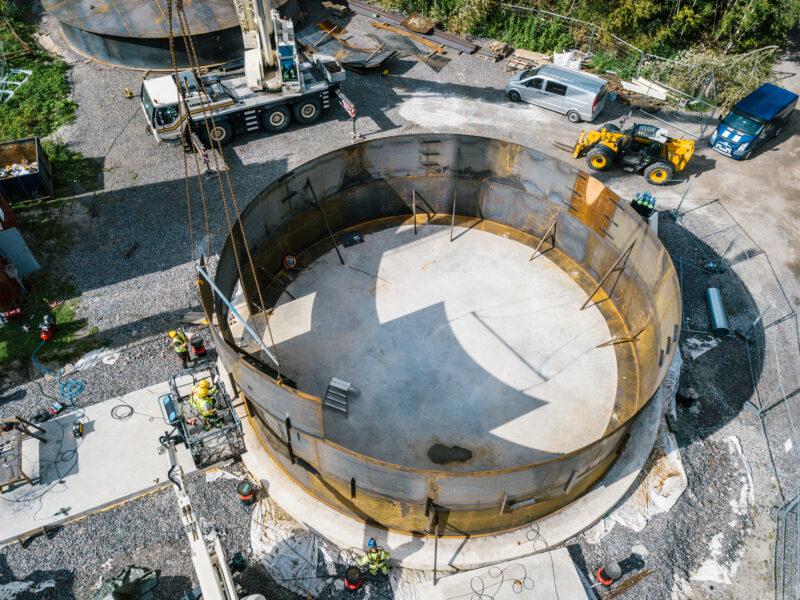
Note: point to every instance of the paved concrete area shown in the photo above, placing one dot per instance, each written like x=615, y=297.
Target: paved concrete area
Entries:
x=464, y=343
x=542, y=576
x=115, y=460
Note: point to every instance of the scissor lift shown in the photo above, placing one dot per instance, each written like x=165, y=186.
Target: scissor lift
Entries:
x=206, y=446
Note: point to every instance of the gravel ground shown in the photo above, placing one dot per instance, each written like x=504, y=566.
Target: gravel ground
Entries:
x=145, y=532
x=132, y=270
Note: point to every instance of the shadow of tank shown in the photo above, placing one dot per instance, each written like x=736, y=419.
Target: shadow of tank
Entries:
x=135, y=34
x=496, y=384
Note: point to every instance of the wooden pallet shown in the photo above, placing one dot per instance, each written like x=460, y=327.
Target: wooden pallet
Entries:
x=518, y=64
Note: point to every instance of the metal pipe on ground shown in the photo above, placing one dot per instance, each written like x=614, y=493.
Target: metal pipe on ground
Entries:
x=718, y=320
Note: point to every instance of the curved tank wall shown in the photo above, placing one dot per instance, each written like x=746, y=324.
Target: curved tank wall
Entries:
x=498, y=181
x=135, y=34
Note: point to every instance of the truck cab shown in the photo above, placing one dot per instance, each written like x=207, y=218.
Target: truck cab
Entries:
x=162, y=108
x=752, y=121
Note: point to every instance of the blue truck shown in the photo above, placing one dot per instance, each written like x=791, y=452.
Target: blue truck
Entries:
x=752, y=121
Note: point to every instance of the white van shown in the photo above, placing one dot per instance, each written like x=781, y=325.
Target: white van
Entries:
x=578, y=95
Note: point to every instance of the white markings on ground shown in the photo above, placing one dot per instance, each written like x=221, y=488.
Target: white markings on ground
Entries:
x=436, y=112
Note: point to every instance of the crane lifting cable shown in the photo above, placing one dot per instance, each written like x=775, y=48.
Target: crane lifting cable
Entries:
x=226, y=186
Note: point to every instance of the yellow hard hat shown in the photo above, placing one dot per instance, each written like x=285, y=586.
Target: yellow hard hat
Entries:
x=201, y=392
x=204, y=384
x=172, y=333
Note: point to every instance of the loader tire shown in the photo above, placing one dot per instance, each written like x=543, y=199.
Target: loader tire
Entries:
x=600, y=158
x=659, y=173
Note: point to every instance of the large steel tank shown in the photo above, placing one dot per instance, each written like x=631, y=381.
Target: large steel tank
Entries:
x=504, y=464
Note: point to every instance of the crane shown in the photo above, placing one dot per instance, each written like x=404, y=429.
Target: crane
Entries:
x=278, y=85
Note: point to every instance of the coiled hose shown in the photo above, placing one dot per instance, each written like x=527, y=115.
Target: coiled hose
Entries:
x=68, y=389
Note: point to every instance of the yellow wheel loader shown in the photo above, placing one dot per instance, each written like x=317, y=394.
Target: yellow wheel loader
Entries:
x=642, y=149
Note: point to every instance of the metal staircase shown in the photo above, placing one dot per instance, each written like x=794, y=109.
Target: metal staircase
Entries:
x=338, y=395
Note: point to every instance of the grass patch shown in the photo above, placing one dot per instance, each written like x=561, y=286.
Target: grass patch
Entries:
x=605, y=62
x=72, y=171
x=41, y=105
x=46, y=232
x=71, y=339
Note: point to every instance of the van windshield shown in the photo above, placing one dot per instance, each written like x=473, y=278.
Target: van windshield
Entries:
x=746, y=125
x=529, y=73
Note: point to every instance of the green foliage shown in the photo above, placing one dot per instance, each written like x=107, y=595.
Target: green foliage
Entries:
x=46, y=232
x=42, y=105
x=655, y=26
x=72, y=171
x=734, y=76
x=606, y=62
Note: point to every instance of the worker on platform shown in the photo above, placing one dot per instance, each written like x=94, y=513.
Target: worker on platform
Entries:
x=205, y=403
x=180, y=344
x=376, y=558
x=210, y=390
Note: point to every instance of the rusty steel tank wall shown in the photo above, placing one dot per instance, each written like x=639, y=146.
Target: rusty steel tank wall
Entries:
x=135, y=33
x=493, y=180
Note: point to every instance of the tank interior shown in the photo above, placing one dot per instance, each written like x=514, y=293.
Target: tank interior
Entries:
x=497, y=317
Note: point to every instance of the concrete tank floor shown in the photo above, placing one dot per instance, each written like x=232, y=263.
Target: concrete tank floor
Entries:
x=465, y=344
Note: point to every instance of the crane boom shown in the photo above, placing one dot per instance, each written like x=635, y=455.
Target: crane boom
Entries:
x=208, y=558
x=256, y=22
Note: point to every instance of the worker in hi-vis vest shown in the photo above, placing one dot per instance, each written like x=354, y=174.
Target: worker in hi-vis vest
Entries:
x=181, y=346
x=375, y=558
x=205, y=403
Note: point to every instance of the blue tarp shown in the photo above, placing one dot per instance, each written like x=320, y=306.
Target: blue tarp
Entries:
x=766, y=102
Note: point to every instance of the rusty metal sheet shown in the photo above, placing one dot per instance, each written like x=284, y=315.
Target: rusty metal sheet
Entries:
x=320, y=37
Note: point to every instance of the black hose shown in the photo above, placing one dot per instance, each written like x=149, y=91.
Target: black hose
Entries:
x=172, y=479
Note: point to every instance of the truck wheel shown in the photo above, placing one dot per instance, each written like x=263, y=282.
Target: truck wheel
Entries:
x=659, y=173
x=600, y=158
x=573, y=117
x=276, y=119
x=307, y=111
x=220, y=132
x=514, y=96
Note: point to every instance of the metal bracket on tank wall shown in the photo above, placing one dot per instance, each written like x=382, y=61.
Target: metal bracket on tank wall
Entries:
x=315, y=203
x=614, y=268
x=453, y=217
x=549, y=234
x=508, y=504
x=622, y=340
x=430, y=213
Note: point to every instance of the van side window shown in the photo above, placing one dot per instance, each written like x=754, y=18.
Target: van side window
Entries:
x=556, y=88
x=534, y=83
